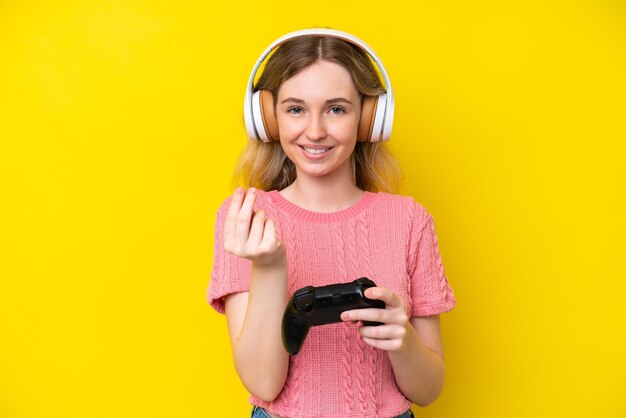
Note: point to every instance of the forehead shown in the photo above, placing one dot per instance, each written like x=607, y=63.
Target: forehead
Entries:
x=321, y=78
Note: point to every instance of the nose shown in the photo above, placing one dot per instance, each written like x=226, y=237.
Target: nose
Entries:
x=316, y=128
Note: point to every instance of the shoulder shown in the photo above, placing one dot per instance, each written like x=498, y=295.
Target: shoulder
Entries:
x=403, y=205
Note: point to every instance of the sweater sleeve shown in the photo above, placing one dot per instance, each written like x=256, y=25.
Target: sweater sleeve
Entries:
x=230, y=274
x=430, y=292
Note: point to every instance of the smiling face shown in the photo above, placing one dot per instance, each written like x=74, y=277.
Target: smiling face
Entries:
x=318, y=112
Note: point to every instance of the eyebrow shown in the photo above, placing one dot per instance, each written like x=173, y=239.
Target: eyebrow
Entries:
x=335, y=100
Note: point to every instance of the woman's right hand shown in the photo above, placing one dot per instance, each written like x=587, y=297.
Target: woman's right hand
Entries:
x=254, y=319
x=251, y=234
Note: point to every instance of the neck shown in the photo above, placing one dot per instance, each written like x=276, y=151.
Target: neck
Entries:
x=323, y=194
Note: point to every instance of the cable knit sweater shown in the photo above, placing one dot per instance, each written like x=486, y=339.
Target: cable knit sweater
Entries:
x=388, y=238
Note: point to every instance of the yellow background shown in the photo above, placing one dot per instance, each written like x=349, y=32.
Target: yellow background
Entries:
x=120, y=123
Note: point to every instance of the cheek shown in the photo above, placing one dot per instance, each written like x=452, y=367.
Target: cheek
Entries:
x=346, y=129
x=288, y=129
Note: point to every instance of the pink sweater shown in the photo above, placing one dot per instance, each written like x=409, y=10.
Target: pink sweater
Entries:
x=390, y=239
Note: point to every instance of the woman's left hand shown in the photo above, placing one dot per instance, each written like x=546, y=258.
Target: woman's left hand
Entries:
x=392, y=334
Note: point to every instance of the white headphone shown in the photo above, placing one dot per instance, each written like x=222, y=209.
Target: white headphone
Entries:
x=376, y=112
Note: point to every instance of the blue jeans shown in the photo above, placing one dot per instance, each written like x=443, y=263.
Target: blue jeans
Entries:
x=258, y=412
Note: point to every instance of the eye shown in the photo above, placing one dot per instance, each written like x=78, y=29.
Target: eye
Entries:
x=337, y=110
x=295, y=110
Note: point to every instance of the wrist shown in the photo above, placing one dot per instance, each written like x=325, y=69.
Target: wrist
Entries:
x=273, y=269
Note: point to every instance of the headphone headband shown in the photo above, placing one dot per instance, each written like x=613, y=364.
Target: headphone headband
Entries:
x=387, y=117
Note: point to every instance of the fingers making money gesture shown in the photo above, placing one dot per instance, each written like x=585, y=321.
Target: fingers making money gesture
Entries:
x=250, y=234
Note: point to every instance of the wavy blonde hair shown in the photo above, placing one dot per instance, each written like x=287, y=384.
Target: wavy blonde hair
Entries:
x=265, y=166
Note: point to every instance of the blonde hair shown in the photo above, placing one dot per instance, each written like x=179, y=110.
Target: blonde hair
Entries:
x=265, y=165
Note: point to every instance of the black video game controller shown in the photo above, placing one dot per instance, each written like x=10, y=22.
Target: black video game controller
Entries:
x=311, y=306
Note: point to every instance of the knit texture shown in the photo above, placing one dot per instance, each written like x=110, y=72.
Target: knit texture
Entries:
x=390, y=239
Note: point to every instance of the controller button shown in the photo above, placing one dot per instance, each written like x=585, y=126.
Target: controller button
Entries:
x=305, y=302
x=304, y=291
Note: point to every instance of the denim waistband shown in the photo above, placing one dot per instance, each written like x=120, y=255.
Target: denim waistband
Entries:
x=258, y=412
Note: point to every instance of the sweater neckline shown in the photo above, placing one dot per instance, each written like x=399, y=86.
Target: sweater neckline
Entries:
x=322, y=217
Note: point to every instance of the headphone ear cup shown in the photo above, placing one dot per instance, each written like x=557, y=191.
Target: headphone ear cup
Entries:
x=265, y=121
x=372, y=117
x=366, y=123
x=269, y=116
x=379, y=118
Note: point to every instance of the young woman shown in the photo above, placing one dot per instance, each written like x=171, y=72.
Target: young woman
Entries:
x=316, y=209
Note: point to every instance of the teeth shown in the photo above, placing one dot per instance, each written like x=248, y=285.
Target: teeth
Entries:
x=315, y=150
